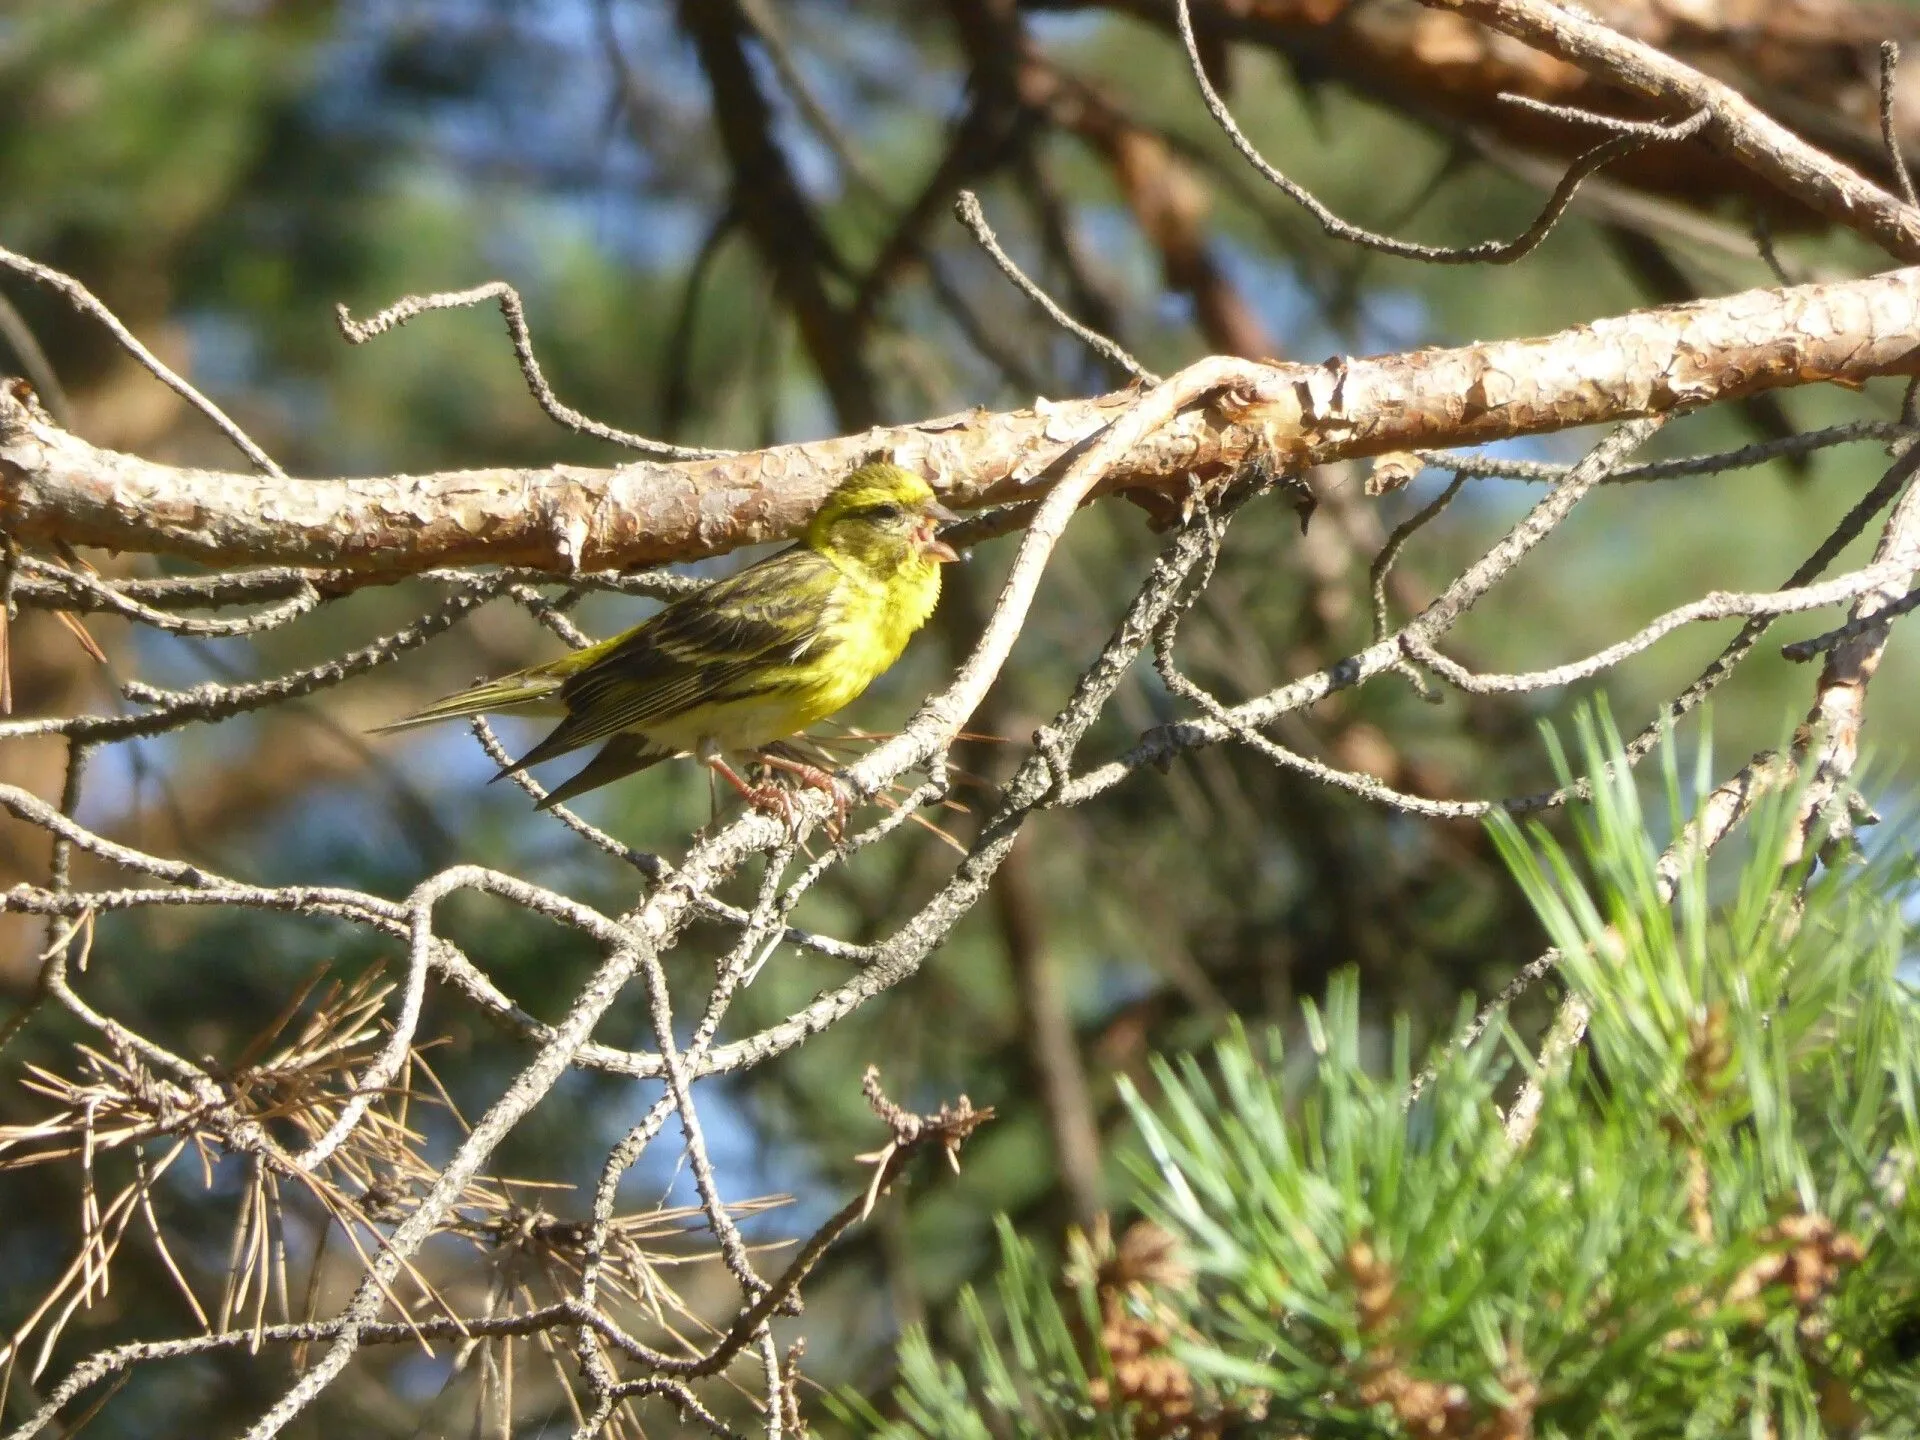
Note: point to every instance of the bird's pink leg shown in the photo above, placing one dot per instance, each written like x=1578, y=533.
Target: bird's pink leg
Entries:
x=814, y=778
x=768, y=798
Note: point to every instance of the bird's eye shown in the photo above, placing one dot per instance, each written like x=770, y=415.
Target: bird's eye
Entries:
x=885, y=510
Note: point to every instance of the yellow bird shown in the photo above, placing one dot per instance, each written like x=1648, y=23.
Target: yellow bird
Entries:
x=749, y=660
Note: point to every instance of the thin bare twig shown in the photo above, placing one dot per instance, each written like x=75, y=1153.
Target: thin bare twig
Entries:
x=88, y=303
x=1474, y=582
x=967, y=211
x=1714, y=605
x=1889, y=136
x=1762, y=231
x=209, y=702
x=62, y=582
x=358, y=332
x=1383, y=563
x=1716, y=463
x=1738, y=127
x=33, y=360
x=1627, y=138
x=1801, y=651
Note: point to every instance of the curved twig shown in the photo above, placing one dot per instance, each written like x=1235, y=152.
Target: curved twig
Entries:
x=88, y=303
x=358, y=332
x=967, y=211
x=1627, y=138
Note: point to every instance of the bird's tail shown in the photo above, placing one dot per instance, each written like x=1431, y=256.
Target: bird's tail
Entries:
x=523, y=690
x=623, y=755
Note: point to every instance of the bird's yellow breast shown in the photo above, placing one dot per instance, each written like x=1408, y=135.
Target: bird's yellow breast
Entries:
x=868, y=626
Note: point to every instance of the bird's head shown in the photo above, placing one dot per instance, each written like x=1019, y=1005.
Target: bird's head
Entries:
x=883, y=517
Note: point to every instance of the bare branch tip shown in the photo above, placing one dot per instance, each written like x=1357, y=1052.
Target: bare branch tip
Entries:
x=1889, y=132
x=966, y=209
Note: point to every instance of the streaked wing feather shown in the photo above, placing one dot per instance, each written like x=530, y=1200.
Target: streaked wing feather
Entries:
x=709, y=647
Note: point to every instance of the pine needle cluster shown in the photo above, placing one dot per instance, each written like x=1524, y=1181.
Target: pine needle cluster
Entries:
x=1713, y=1229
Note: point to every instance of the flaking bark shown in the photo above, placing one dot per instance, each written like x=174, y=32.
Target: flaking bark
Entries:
x=55, y=486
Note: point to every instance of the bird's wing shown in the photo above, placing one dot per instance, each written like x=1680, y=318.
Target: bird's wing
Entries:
x=727, y=642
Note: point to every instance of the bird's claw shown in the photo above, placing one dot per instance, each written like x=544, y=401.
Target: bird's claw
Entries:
x=842, y=797
x=811, y=777
x=814, y=778
x=770, y=797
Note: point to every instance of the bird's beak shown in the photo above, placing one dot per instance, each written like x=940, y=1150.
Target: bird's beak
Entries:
x=938, y=550
x=931, y=545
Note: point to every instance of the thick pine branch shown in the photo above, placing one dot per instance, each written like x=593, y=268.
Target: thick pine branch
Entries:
x=57, y=487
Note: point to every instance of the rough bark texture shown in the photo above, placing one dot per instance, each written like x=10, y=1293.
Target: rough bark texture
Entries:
x=54, y=486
